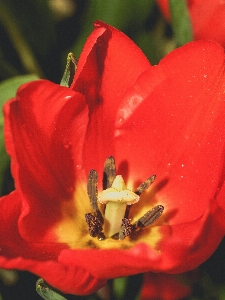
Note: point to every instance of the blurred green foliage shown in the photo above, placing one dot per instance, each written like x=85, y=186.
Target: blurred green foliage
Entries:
x=181, y=23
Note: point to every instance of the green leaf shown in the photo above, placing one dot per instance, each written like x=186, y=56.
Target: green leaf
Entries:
x=8, y=90
x=119, y=287
x=70, y=70
x=47, y=292
x=181, y=24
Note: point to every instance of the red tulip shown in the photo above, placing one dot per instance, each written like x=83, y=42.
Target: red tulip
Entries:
x=166, y=120
x=207, y=18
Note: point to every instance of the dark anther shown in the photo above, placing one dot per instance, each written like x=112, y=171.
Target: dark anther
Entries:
x=145, y=185
x=126, y=228
x=142, y=187
x=95, y=227
x=92, y=190
x=109, y=172
x=150, y=217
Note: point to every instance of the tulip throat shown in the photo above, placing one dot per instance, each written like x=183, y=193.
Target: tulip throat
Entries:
x=116, y=200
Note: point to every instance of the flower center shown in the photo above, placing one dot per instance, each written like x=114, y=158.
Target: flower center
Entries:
x=117, y=200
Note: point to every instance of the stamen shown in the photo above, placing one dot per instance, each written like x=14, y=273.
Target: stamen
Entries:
x=109, y=173
x=142, y=187
x=150, y=217
x=126, y=228
x=95, y=227
x=145, y=185
x=92, y=190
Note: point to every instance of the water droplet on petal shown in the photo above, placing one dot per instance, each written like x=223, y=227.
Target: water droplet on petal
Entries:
x=68, y=145
x=120, y=120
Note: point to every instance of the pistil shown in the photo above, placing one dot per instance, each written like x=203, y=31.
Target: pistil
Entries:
x=116, y=198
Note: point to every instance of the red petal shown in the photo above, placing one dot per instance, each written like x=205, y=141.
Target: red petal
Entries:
x=39, y=258
x=109, y=64
x=208, y=19
x=44, y=127
x=139, y=259
x=164, y=287
x=177, y=131
x=68, y=279
x=191, y=244
x=10, y=207
x=12, y=244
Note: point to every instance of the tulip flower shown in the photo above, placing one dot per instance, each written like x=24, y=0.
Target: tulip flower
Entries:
x=207, y=18
x=155, y=137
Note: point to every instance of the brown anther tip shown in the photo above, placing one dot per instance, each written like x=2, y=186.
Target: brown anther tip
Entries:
x=109, y=173
x=160, y=207
x=126, y=228
x=150, y=217
x=144, y=185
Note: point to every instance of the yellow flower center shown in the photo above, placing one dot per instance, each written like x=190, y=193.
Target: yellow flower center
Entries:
x=118, y=217
x=116, y=198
